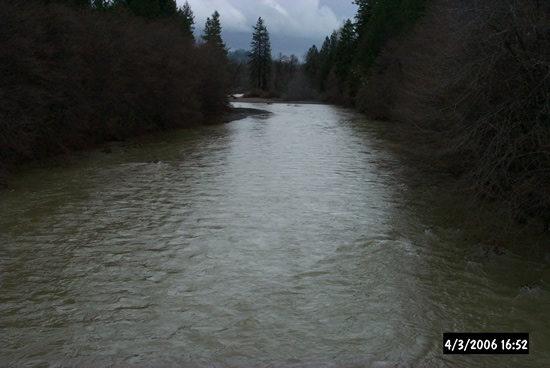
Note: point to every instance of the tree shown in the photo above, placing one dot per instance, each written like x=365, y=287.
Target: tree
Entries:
x=168, y=8
x=326, y=59
x=341, y=67
x=260, y=58
x=213, y=32
x=279, y=64
x=380, y=23
x=292, y=65
x=345, y=50
x=364, y=13
x=144, y=8
x=187, y=20
x=311, y=65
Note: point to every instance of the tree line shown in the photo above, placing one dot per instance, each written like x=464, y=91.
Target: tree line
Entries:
x=77, y=73
x=339, y=69
x=262, y=72
x=466, y=83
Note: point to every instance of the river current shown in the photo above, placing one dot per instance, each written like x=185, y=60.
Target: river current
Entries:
x=291, y=238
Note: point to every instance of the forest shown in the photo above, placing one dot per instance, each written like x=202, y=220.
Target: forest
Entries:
x=465, y=83
x=77, y=73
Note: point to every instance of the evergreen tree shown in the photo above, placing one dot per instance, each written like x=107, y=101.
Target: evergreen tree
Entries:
x=213, y=32
x=341, y=67
x=187, y=20
x=260, y=58
x=345, y=50
x=144, y=8
x=364, y=13
x=326, y=59
x=386, y=20
x=168, y=8
x=311, y=64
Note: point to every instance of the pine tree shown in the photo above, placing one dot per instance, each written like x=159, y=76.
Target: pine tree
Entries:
x=144, y=8
x=364, y=13
x=187, y=20
x=311, y=64
x=345, y=50
x=326, y=59
x=168, y=8
x=213, y=32
x=260, y=58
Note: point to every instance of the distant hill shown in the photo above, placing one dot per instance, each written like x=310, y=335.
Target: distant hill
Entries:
x=239, y=55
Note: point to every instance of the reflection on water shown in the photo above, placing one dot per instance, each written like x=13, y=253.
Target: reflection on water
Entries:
x=290, y=239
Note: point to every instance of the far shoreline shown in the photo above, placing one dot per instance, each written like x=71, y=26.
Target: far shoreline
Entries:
x=11, y=170
x=238, y=113
x=274, y=101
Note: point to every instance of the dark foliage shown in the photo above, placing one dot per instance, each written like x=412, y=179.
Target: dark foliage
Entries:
x=341, y=66
x=476, y=89
x=71, y=78
x=213, y=33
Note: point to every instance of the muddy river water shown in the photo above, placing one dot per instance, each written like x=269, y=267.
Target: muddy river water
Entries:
x=294, y=238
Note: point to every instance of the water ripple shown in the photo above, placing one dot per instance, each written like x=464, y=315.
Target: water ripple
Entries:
x=271, y=241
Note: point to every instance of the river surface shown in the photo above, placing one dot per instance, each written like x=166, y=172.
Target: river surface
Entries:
x=294, y=238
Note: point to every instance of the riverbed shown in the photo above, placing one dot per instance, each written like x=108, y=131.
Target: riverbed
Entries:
x=291, y=238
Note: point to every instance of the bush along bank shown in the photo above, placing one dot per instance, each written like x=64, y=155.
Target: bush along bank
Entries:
x=73, y=77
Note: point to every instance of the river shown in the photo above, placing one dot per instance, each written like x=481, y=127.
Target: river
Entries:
x=291, y=238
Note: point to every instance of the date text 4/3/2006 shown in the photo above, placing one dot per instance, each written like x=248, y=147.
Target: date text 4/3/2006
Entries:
x=486, y=343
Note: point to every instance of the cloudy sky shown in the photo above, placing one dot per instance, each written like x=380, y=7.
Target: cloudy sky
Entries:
x=293, y=25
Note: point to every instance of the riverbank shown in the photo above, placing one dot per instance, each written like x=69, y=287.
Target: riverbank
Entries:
x=238, y=113
x=74, y=79
x=9, y=170
x=274, y=100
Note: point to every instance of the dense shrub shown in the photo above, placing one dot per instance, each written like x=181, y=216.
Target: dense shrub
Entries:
x=472, y=82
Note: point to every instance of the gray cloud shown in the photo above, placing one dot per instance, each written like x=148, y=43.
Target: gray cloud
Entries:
x=294, y=25
x=299, y=18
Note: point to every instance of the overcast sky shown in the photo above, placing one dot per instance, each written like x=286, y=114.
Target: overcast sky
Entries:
x=293, y=25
